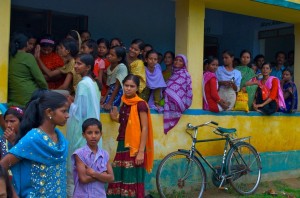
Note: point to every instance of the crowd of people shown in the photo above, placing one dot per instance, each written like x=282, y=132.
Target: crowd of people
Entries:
x=263, y=86
x=67, y=83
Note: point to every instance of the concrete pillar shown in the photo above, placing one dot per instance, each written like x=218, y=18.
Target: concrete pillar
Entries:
x=4, y=49
x=190, y=41
x=297, y=58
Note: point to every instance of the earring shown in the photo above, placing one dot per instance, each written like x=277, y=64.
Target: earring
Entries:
x=50, y=117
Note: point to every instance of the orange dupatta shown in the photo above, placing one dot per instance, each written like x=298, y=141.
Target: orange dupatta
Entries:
x=133, y=132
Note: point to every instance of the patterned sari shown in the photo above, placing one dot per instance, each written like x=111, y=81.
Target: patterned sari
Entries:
x=178, y=95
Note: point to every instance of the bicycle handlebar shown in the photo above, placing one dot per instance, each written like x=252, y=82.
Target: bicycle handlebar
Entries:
x=190, y=126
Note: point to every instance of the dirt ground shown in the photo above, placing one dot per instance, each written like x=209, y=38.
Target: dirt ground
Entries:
x=264, y=189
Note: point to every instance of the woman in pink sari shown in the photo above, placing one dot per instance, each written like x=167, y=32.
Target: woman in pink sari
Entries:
x=269, y=96
x=178, y=94
x=211, y=99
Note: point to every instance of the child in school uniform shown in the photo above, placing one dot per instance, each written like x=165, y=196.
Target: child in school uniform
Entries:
x=91, y=167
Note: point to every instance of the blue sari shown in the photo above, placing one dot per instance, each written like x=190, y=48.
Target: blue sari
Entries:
x=292, y=101
x=41, y=171
x=3, y=109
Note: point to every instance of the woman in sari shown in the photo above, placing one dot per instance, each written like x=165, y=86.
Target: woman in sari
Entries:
x=178, y=94
x=38, y=160
x=269, y=96
x=211, y=99
x=247, y=74
x=289, y=90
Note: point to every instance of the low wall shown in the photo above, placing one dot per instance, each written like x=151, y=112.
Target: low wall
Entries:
x=275, y=137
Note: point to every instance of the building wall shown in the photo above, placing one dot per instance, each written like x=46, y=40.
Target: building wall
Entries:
x=153, y=21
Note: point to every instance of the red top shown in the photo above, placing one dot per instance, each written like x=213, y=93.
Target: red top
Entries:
x=53, y=61
x=212, y=95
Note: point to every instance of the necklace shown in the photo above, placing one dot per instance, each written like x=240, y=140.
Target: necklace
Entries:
x=53, y=136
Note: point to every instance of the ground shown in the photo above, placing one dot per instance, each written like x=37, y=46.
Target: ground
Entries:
x=289, y=188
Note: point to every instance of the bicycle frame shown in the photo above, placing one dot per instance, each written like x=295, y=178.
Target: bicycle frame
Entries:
x=225, y=138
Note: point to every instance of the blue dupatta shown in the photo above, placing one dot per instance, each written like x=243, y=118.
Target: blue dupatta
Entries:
x=41, y=171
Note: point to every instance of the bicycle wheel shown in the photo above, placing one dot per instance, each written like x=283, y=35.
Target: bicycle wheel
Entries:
x=178, y=175
x=243, y=168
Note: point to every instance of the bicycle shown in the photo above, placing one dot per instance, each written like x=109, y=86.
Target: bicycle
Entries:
x=181, y=173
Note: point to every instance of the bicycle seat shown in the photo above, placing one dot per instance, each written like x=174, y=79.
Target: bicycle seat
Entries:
x=225, y=130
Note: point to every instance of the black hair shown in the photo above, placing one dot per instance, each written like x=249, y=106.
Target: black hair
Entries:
x=280, y=52
x=121, y=53
x=71, y=45
x=267, y=63
x=151, y=52
x=288, y=70
x=148, y=45
x=140, y=44
x=15, y=111
x=35, y=112
x=245, y=51
x=210, y=59
x=258, y=57
x=85, y=31
x=18, y=41
x=4, y=175
x=92, y=44
x=36, y=94
x=170, y=52
x=88, y=60
x=103, y=40
x=118, y=39
x=231, y=54
x=132, y=77
x=90, y=122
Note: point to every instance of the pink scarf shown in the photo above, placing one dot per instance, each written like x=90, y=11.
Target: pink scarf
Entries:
x=268, y=84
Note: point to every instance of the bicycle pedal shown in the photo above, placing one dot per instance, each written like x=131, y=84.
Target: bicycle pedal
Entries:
x=223, y=188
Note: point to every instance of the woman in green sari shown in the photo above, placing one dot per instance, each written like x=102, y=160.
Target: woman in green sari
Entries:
x=247, y=75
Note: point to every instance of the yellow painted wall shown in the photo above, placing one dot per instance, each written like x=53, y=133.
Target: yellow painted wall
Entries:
x=189, y=41
x=269, y=133
x=4, y=40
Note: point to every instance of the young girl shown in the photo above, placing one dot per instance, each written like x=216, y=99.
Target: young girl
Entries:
x=229, y=79
x=169, y=57
x=100, y=71
x=6, y=188
x=269, y=96
x=136, y=65
x=116, y=73
x=211, y=98
x=289, y=91
x=178, y=94
x=155, y=80
x=135, y=143
x=91, y=167
x=49, y=58
x=67, y=50
x=12, y=117
x=43, y=150
x=247, y=75
x=86, y=105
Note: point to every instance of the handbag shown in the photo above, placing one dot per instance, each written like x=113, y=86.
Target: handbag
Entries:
x=241, y=103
